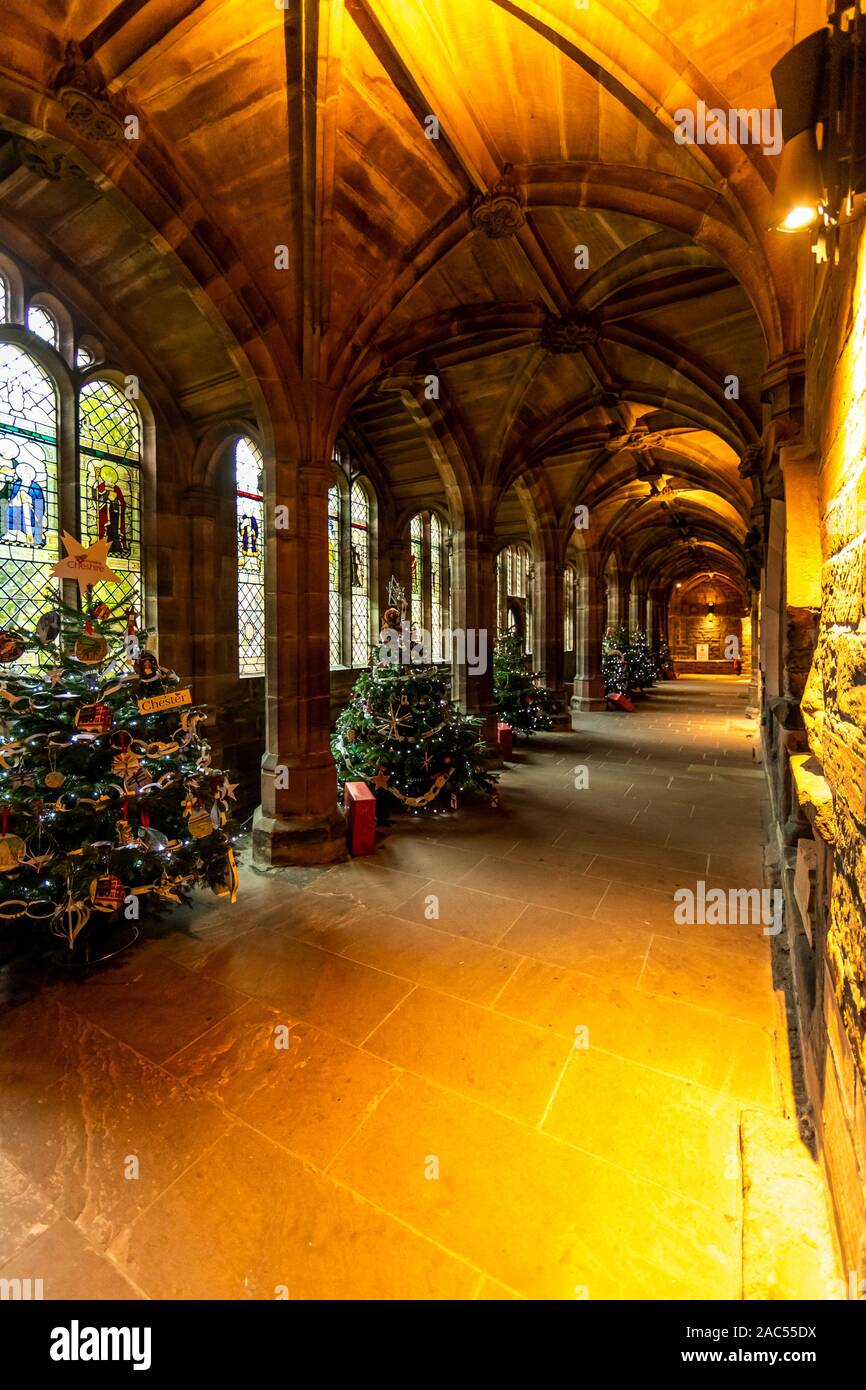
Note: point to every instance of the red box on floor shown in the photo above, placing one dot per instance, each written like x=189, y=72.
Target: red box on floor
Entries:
x=504, y=737
x=360, y=806
x=622, y=702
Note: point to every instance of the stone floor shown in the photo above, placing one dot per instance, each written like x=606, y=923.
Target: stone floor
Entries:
x=483, y=1064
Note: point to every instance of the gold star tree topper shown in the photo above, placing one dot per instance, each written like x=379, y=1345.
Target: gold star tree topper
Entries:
x=85, y=564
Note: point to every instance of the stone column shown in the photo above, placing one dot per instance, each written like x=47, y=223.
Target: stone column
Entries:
x=473, y=614
x=588, y=684
x=547, y=605
x=298, y=821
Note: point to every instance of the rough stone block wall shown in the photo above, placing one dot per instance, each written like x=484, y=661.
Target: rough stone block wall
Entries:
x=834, y=701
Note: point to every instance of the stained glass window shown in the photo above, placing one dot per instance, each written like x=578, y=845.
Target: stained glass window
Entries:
x=83, y=358
x=28, y=488
x=359, y=557
x=249, y=495
x=437, y=555
x=416, y=553
x=335, y=587
x=43, y=324
x=4, y=299
x=110, y=451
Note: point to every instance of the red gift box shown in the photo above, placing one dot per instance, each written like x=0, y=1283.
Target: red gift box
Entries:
x=622, y=702
x=360, y=806
x=504, y=737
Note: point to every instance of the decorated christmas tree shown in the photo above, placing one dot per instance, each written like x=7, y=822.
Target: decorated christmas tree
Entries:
x=400, y=732
x=521, y=701
x=108, y=801
x=640, y=661
x=614, y=661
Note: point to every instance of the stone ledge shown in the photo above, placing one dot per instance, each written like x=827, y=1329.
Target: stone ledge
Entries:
x=814, y=795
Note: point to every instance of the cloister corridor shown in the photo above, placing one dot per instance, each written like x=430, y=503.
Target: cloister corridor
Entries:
x=484, y=1064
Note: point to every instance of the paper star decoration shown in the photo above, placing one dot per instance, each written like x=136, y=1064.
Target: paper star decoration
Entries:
x=85, y=564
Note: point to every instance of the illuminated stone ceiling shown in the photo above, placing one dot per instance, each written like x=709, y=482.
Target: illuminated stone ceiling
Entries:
x=305, y=128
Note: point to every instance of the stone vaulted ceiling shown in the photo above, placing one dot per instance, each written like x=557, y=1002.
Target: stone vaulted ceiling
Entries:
x=307, y=128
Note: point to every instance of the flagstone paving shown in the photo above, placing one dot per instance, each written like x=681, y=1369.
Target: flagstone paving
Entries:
x=485, y=1063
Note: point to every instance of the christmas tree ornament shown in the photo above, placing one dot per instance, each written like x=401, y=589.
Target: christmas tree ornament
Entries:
x=94, y=719
x=200, y=825
x=48, y=627
x=123, y=833
x=137, y=780
x=40, y=848
x=102, y=612
x=85, y=564
x=107, y=893
x=12, y=851
x=146, y=666
x=11, y=646
x=229, y=886
x=54, y=777
x=90, y=648
x=125, y=763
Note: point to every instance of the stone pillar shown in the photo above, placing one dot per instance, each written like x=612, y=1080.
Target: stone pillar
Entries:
x=588, y=684
x=298, y=821
x=547, y=606
x=473, y=614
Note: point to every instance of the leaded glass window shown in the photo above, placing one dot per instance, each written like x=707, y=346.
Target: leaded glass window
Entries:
x=4, y=299
x=568, y=609
x=416, y=561
x=437, y=556
x=28, y=488
x=83, y=358
x=335, y=587
x=249, y=494
x=43, y=324
x=359, y=558
x=110, y=452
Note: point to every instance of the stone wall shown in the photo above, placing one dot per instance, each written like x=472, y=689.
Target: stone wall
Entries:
x=832, y=783
x=834, y=702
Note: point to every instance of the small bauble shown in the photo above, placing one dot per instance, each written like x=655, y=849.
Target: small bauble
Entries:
x=94, y=719
x=12, y=851
x=54, y=778
x=48, y=627
x=107, y=893
x=11, y=646
x=90, y=648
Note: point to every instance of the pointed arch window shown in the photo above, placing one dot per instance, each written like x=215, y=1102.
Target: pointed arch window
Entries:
x=514, y=572
x=359, y=561
x=29, y=543
x=437, y=566
x=43, y=324
x=568, y=608
x=416, y=571
x=249, y=498
x=335, y=575
x=109, y=428
x=430, y=587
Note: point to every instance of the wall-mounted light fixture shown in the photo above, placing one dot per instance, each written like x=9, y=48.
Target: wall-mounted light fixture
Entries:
x=711, y=613
x=820, y=87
